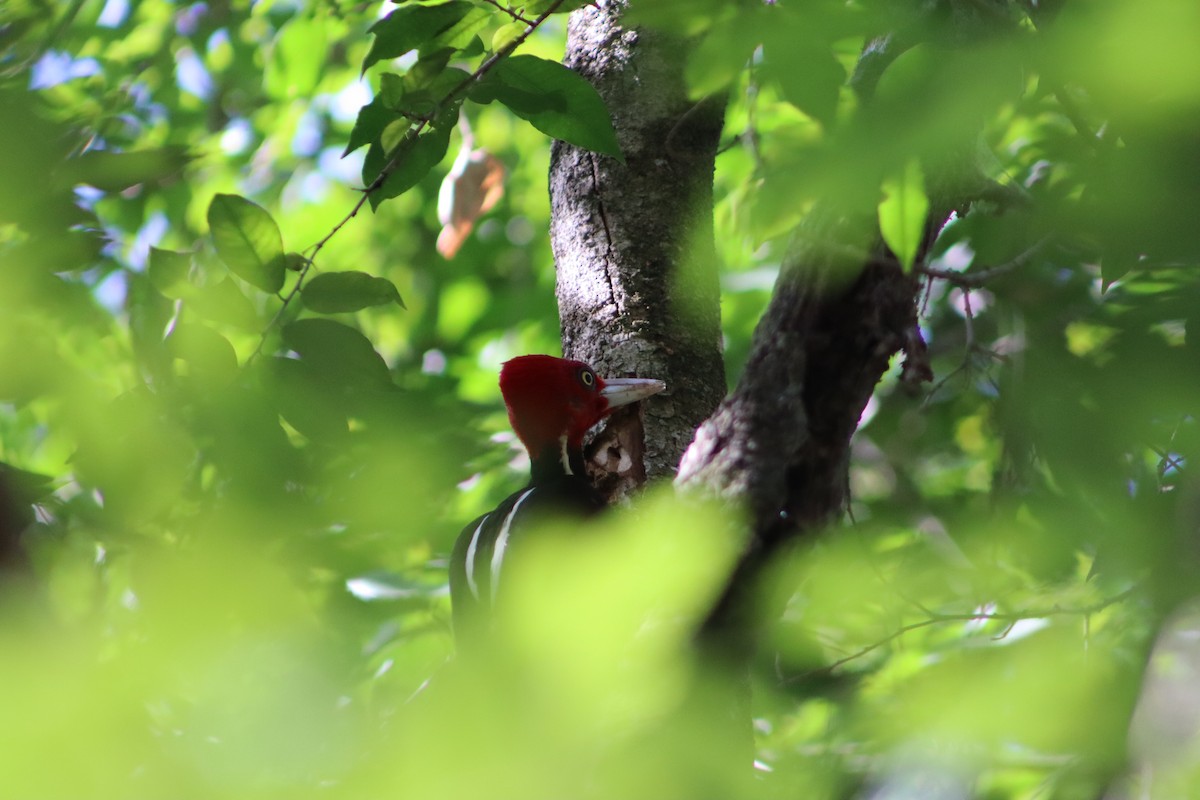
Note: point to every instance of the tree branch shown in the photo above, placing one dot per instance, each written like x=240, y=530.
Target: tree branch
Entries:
x=937, y=619
x=976, y=280
x=780, y=443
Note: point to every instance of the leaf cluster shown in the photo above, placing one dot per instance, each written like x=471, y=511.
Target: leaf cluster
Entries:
x=249, y=459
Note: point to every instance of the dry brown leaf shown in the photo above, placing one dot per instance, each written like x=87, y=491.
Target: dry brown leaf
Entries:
x=473, y=186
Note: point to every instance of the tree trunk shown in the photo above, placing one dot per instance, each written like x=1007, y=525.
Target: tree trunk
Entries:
x=633, y=242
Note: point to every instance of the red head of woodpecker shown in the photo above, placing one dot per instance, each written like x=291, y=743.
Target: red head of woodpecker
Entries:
x=552, y=402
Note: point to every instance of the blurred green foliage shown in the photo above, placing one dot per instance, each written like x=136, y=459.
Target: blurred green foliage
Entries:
x=237, y=585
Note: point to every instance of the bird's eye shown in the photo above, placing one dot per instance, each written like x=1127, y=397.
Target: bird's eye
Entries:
x=587, y=378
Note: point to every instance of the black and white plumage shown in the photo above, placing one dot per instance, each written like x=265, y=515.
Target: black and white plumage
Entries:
x=551, y=402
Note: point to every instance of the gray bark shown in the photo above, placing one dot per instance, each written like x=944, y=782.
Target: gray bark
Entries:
x=780, y=443
x=633, y=242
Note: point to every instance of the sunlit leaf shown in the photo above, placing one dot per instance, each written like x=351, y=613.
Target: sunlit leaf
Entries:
x=682, y=17
x=505, y=34
x=808, y=74
x=114, y=172
x=224, y=302
x=294, y=66
x=414, y=26
x=460, y=33
x=536, y=7
x=902, y=213
x=247, y=239
x=391, y=89
x=556, y=101
x=168, y=271
x=719, y=58
x=295, y=262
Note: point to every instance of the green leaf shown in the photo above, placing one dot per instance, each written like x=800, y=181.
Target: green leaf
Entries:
x=473, y=48
x=149, y=313
x=430, y=65
x=414, y=26
x=391, y=89
x=505, y=34
x=719, y=58
x=953, y=232
x=557, y=102
x=247, y=240
x=535, y=8
x=459, y=34
x=293, y=70
x=903, y=211
x=687, y=18
x=414, y=163
x=421, y=90
x=303, y=401
x=339, y=292
x=807, y=73
x=209, y=355
x=399, y=134
x=115, y=172
x=424, y=100
x=23, y=486
x=422, y=93
x=168, y=272
x=224, y=302
x=337, y=353
x=372, y=119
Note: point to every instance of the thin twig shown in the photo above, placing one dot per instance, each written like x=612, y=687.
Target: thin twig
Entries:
x=1166, y=461
x=972, y=351
x=516, y=15
x=1011, y=617
x=975, y=280
x=949, y=376
x=451, y=95
x=401, y=150
x=968, y=318
x=966, y=282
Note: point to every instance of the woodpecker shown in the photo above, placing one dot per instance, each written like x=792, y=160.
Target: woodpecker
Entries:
x=552, y=402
